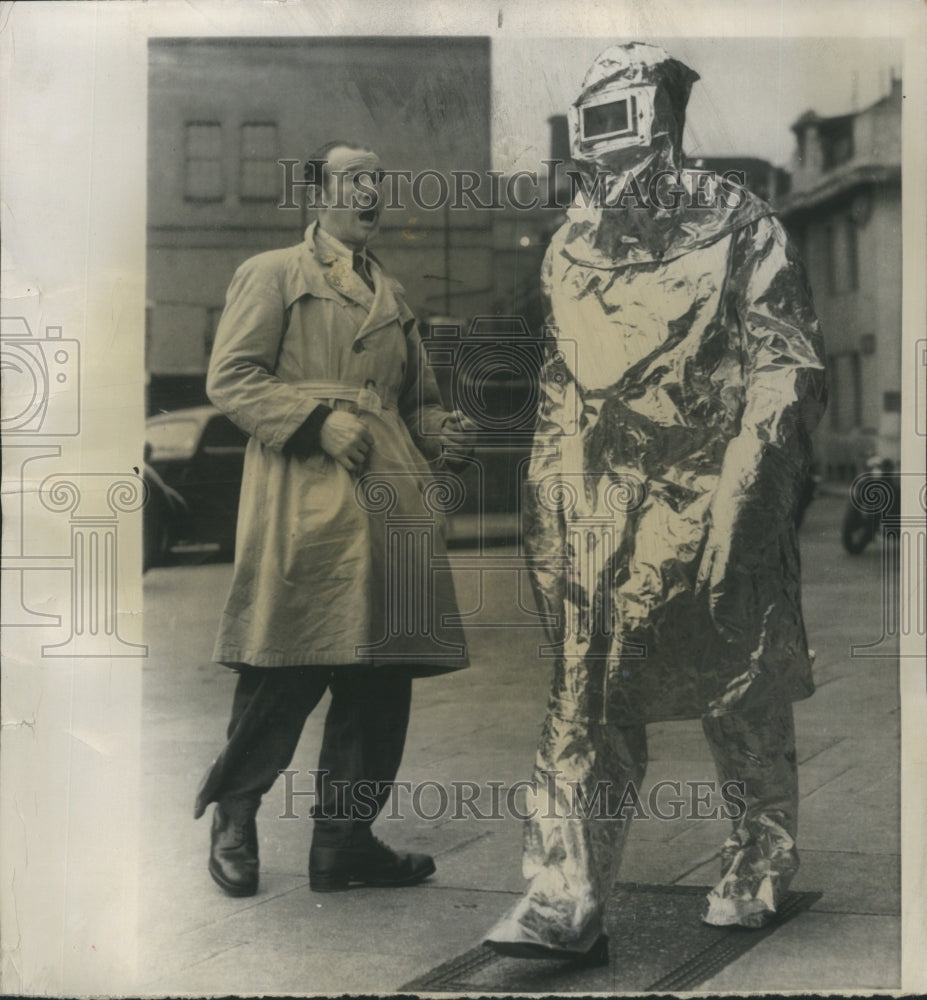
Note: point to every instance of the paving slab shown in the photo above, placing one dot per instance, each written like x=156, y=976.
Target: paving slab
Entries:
x=490, y=859
x=819, y=951
x=291, y=970
x=326, y=942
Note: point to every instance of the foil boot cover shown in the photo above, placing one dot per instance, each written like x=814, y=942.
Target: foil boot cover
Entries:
x=572, y=843
x=759, y=859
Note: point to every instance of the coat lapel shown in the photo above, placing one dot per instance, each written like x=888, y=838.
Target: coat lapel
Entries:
x=384, y=309
x=325, y=274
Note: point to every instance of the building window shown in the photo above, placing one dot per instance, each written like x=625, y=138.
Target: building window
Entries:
x=836, y=138
x=856, y=380
x=845, y=403
x=260, y=174
x=852, y=254
x=204, y=177
x=842, y=255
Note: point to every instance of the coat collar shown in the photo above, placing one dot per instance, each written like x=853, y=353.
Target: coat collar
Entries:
x=326, y=271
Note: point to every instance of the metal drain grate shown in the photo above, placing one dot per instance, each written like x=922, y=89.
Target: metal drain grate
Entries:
x=454, y=974
x=737, y=940
x=657, y=942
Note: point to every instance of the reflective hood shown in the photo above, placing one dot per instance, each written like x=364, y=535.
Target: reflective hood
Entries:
x=633, y=98
x=640, y=202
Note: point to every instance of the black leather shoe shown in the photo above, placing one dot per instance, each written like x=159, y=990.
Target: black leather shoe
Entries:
x=597, y=955
x=233, y=853
x=365, y=860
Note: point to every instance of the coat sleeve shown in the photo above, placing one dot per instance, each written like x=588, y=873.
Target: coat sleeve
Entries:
x=241, y=380
x=785, y=393
x=420, y=404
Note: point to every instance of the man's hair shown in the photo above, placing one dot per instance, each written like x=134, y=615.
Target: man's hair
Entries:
x=316, y=173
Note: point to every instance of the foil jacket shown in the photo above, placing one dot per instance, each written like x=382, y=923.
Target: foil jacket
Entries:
x=674, y=434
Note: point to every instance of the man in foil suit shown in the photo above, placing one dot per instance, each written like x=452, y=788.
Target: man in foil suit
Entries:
x=659, y=506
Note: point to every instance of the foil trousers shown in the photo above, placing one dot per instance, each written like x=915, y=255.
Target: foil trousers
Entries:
x=574, y=840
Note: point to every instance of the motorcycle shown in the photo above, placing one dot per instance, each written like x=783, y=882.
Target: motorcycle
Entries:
x=874, y=495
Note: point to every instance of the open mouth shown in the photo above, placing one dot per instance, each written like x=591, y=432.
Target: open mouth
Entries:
x=368, y=215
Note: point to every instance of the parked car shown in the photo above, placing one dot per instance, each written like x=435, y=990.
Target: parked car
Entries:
x=165, y=518
x=200, y=453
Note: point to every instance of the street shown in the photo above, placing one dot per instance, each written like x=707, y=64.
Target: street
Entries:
x=479, y=726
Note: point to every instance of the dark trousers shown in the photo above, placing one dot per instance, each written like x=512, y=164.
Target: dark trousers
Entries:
x=362, y=744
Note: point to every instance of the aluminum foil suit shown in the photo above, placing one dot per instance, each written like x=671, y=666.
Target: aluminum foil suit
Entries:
x=685, y=375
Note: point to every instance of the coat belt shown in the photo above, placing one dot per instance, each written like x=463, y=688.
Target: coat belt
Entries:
x=365, y=397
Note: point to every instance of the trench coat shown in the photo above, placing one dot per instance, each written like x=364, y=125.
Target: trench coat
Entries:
x=333, y=567
x=685, y=375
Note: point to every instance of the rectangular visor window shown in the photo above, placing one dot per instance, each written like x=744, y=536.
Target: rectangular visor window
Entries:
x=616, y=118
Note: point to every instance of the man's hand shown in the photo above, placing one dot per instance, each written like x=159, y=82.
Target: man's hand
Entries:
x=346, y=439
x=458, y=438
x=458, y=432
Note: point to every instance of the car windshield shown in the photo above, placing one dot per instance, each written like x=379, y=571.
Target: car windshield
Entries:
x=173, y=439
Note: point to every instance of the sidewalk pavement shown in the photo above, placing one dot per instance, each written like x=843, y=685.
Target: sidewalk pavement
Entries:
x=481, y=725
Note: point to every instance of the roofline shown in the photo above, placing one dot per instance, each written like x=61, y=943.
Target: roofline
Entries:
x=811, y=117
x=835, y=187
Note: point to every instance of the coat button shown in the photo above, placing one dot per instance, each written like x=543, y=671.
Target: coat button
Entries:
x=358, y=347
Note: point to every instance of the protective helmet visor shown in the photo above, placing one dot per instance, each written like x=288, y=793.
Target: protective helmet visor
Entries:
x=615, y=118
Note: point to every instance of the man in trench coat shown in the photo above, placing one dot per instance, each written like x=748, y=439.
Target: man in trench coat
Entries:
x=317, y=357
x=660, y=507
